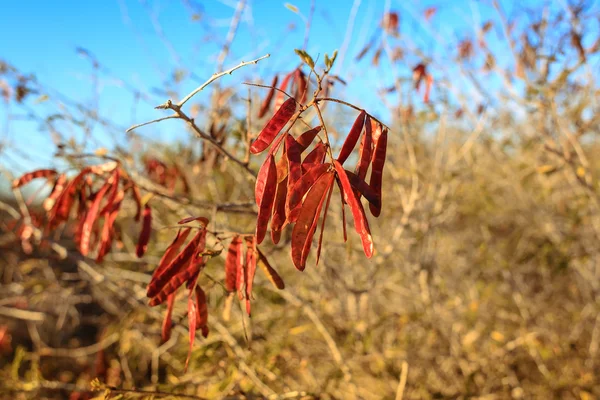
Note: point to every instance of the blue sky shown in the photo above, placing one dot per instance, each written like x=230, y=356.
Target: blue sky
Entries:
x=139, y=45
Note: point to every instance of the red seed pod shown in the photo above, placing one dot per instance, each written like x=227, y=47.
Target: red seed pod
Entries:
x=90, y=219
x=171, y=251
x=305, y=140
x=364, y=189
x=167, y=323
x=306, y=225
x=107, y=234
x=135, y=191
x=365, y=151
x=315, y=157
x=282, y=88
x=267, y=101
x=177, y=264
x=275, y=124
x=294, y=160
x=266, y=186
x=233, y=263
x=301, y=84
x=352, y=137
x=188, y=273
x=361, y=224
x=28, y=177
x=250, y=271
x=301, y=187
x=192, y=320
x=202, y=220
x=279, y=218
x=58, y=188
x=61, y=209
x=323, y=222
x=202, y=308
x=377, y=171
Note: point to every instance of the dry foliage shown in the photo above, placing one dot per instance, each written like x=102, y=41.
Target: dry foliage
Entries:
x=484, y=281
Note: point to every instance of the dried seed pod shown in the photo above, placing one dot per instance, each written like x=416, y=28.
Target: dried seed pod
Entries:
x=275, y=124
x=266, y=186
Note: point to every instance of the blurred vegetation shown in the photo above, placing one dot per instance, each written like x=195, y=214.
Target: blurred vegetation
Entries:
x=485, y=282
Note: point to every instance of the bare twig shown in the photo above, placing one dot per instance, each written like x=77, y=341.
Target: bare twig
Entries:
x=214, y=78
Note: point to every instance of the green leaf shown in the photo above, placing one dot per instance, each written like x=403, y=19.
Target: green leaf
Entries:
x=291, y=7
x=305, y=57
x=329, y=61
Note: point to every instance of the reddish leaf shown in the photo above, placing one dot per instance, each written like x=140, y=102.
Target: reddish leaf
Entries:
x=306, y=224
x=61, y=209
x=240, y=279
x=202, y=220
x=188, y=273
x=142, y=244
x=276, y=144
x=301, y=187
x=428, y=85
x=171, y=251
x=114, y=190
x=202, y=307
x=323, y=223
x=267, y=101
x=365, y=150
x=266, y=185
x=352, y=137
x=377, y=171
x=275, y=124
x=58, y=188
x=419, y=72
x=294, y=160
x=301, y=85
x=250, y=270
x=343, y=214
x=429, y=12
x=192, y=319
x=270, y=271
x=138, y=201
x=178, y=262
x=233, y=264
x=361, y=224
x=315, y=157
x=305, y=140
x=364, y=189
x=282, y=88
x=107, y=229
x=90, y=218
x=391, y=22
x=279, y=218
x=167, y=323
x=28, y=177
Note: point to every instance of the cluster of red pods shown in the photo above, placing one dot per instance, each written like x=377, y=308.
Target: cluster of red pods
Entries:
x=98, y=191
x=293, y=190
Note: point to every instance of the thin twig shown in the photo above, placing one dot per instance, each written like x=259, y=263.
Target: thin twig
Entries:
x=235, y=21
x=151, y=122
x=403, y=378
x=318, y=99
x=213, y=78
x=80, y=351
x=25, y=315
